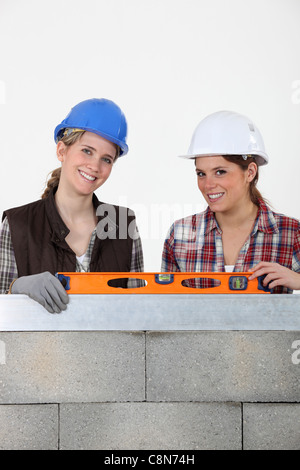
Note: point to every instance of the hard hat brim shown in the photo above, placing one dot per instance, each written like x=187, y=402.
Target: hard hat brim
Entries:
x=261, y=158
x=122, y=145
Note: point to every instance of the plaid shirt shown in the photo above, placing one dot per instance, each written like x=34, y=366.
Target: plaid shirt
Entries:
x=8, y=265
x=194, y=244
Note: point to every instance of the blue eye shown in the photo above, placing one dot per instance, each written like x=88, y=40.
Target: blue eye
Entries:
x=87, y=151
x=107, y=160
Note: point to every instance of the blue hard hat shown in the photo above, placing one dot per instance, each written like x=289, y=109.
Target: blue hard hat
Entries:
x=100, y=116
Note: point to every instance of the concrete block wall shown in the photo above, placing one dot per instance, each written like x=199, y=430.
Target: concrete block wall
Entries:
x=149, y=390
x=178, y=373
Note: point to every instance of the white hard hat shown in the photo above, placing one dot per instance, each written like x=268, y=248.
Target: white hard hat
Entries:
x=227, y=133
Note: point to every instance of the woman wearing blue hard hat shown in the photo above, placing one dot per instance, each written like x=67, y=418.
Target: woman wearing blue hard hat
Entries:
x=69, y=229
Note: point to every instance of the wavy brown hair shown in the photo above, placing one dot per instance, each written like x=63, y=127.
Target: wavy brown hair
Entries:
x=254, y=193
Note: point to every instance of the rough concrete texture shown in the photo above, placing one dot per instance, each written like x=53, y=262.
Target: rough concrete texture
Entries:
x=271, y=426
x=150, y=426
x=150, y=390
x=28, y=427
x=222, y=366
x=60, y=367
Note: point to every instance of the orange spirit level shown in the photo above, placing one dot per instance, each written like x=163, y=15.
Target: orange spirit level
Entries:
x=162, y=283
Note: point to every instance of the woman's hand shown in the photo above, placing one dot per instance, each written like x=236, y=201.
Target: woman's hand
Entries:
x=276, y=275
x=45, y=289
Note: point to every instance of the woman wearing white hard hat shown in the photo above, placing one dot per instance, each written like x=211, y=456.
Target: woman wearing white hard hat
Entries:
x=69, y=229
x=238, y=231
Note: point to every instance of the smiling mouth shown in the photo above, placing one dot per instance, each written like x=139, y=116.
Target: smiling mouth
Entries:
x=215, y=197
x=86, y=176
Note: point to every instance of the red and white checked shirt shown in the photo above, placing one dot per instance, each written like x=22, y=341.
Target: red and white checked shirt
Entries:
x=194, y=244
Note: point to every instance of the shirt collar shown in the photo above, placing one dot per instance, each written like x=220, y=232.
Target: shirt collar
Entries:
x=265, y=220
x=210, y=221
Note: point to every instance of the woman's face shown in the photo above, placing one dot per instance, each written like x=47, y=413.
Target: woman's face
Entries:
x=87, y=163
x=223, y=184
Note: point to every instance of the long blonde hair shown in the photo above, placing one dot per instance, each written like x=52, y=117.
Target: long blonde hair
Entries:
x=54, y=176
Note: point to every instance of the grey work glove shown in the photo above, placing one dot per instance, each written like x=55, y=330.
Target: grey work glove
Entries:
x=45, y=289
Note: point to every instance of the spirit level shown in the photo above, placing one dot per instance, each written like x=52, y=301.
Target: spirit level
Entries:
x=163, y=283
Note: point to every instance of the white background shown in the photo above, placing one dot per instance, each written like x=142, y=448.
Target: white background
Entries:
x=167, y=64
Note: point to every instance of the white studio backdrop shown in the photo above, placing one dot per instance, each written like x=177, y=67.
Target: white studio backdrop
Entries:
x=167, y=64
